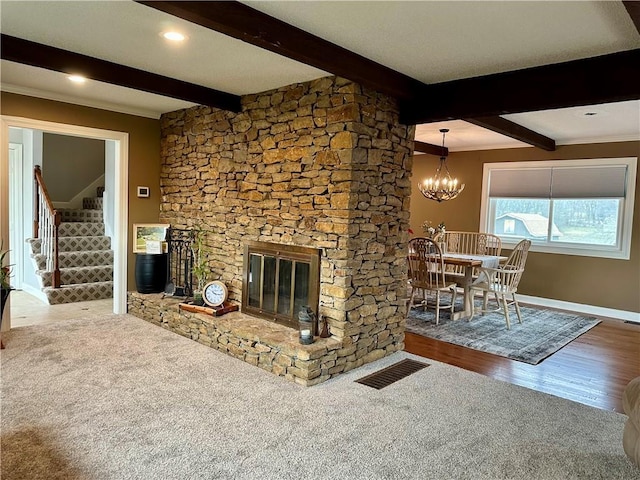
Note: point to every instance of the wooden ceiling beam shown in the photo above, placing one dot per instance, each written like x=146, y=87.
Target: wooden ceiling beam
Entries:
x=240, y=21
x=418, y=106
x=256, y=28
x=51, y=58
x=608, y=78
x=514, y=130
x=430, y=149
x=633, y=9
x=604, y=79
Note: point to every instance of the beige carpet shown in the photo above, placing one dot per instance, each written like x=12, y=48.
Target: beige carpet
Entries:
x=115, y=397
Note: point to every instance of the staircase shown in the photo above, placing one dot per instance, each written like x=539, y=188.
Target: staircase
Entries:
x=86, y=258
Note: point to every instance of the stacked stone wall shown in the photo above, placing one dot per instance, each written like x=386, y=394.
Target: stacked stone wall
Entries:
x=324, y=164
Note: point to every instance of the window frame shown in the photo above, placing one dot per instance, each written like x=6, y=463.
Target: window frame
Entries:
x=622, y=250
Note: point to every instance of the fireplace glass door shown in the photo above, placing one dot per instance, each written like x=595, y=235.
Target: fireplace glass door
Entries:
x=279, y=280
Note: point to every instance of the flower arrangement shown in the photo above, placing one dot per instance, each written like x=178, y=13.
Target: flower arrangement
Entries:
x=5, y=286
x=431, y=231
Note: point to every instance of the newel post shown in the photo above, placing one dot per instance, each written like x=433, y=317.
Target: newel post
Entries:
x=36, y=201
x=56, y=262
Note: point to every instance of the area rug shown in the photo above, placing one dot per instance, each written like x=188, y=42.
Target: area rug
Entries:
x=117, y=398
x=541, y=333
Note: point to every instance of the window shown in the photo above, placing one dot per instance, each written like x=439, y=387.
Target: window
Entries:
x=509, y=226
x=575, y=207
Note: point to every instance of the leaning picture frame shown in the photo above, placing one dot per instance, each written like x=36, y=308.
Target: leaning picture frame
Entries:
x=143, y=232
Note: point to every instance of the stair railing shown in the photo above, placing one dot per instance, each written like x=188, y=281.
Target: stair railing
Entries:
x=46, y=223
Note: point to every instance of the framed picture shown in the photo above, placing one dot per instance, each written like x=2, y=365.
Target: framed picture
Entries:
x=143, y=232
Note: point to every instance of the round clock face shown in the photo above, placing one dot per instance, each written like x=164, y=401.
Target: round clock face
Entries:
x=215, y=293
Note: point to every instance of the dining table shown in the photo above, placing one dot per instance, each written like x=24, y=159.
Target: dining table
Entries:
x=464, y=281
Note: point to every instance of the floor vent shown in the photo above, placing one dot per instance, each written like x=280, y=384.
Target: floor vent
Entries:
x=392, y=373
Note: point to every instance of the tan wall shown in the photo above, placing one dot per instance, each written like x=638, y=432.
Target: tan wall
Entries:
x=587, y=280
x=144, y=150
x=70, y=164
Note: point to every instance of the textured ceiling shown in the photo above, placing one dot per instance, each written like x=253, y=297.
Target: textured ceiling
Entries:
x=427, y=40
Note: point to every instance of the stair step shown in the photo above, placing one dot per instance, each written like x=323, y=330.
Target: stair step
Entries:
x=79, y=293
x=94, y=203
x=85, y=256
x=80, y=229
x=77, y=259
x=80, y=215
x=75, y=244
x=79, y=275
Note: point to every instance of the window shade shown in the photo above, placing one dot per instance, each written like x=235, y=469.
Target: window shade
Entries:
x=521, y=182
x=559, y=182
x=589, y=182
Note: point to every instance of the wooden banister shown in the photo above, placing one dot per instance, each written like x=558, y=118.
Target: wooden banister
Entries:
x=46, y=224
x=43, y=187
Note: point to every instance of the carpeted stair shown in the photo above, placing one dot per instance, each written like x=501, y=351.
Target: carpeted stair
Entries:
x=86, y=258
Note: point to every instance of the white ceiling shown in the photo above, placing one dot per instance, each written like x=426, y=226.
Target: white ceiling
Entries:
x=611, y=122
x=432, y=41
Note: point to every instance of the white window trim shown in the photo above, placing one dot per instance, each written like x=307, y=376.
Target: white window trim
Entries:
x=623, y=251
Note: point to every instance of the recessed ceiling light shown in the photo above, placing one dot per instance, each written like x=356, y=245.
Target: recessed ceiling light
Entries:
x=77, y=78
x=174, y=36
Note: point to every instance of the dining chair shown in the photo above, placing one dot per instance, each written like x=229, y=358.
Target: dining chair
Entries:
x=468, y=243
x=426, y=273
x=503, y=281
x=479, y=243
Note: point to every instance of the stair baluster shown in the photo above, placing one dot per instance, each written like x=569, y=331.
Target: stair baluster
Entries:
x=45, y=226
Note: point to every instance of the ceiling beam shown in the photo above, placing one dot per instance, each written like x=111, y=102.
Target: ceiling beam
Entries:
x=35, y=54
x=482, y=99
x=252, y=26
x=256, y=28
x=603, y=79
x=633, y=9
x=514, y=130
x=430, y=149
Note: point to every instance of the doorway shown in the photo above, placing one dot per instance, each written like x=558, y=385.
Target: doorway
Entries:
x=16, y=217
x=116, y=175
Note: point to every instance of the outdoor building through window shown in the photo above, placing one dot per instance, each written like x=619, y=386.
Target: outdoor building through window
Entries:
x=577, y=207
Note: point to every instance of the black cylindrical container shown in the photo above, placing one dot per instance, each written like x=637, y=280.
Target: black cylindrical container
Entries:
x=151, y=272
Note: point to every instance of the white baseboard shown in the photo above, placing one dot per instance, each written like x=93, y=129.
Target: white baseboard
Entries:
x=39, y=294
x=581, y=308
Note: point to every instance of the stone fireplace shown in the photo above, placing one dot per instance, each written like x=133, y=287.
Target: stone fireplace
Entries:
x=324, y=165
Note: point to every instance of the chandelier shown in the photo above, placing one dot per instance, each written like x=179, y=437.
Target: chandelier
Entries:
x=441, y=187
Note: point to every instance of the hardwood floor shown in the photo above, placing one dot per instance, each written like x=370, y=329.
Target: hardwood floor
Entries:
x=593, y=369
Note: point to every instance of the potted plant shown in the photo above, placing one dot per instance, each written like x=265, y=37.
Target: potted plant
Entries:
x=200, y=267
x=5, y=286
